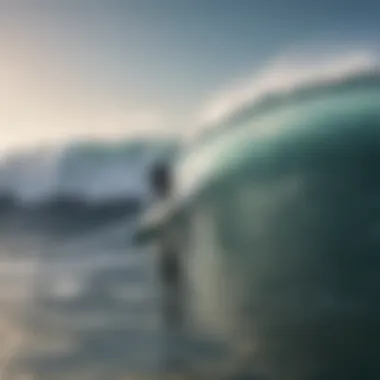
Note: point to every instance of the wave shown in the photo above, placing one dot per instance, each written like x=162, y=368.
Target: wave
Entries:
x=82, y=174
x=285, y=81
x=90, y=174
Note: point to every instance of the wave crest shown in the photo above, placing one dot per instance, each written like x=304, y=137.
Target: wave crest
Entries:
x=289, y=78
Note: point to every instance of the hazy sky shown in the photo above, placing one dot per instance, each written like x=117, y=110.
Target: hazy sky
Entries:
x=73, y=68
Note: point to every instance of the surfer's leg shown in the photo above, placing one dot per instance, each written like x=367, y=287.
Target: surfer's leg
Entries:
x=172, y=315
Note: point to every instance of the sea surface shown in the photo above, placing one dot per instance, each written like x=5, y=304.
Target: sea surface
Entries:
x=77, y=299
x=76, y=303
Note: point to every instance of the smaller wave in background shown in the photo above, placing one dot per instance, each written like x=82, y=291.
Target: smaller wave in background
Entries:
x=81, y=175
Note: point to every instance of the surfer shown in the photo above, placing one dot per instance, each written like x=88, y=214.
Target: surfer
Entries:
x=168, y=259
x=169, y=272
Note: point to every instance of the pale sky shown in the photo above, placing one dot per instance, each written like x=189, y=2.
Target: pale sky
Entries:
x=104, y=69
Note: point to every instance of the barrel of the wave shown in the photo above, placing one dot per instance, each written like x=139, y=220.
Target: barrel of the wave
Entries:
x=284, y=234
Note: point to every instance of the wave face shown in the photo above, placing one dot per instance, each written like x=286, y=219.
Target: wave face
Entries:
x=85, y=172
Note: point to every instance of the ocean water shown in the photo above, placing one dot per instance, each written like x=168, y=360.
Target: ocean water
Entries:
x=78, y=301
x=77, y=304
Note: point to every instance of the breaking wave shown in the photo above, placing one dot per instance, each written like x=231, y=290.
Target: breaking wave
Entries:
x=287, y=80
x=100, y=175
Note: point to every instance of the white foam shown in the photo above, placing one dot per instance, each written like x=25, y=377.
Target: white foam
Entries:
x=282, y=75
x=94, y=173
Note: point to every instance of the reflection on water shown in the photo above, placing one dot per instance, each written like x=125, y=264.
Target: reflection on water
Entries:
x=78, y=307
